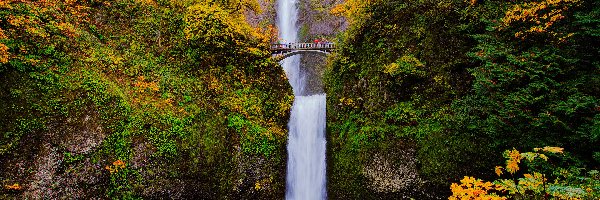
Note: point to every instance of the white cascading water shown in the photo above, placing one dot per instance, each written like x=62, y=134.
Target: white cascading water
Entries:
x=305, y=179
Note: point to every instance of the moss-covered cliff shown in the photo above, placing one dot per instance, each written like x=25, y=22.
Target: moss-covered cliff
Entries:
x=130, y=98
x=458, y=82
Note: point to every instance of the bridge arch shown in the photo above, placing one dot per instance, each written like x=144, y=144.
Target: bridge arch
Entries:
x=283, y=51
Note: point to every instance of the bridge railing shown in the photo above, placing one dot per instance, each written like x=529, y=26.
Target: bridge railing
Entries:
x=301, y=46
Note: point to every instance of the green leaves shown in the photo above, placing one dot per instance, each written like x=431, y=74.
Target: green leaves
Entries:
x=254, y=137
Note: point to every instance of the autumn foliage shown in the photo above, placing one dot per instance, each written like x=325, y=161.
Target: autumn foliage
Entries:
x=116, y=166
x=182, y=80
x=535, y=184
x=464, y=79
x=538, y=17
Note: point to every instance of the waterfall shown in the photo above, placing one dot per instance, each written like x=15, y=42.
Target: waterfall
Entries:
x=306, y=149
x=305, y=179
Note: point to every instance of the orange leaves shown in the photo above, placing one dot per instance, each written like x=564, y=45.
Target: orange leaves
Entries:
x=498, y=170
x=471, y=188
x=473, y=2
x=539, y=17
x=119, y=164
x=266, y=35
x=531, y=185
x=39, y=22
x=5, y=4
x=144, y=85
x=17, y=21
x=13, y=187
x=514, y=158
x=4, y=54
x=146, y=94
x=67, y=29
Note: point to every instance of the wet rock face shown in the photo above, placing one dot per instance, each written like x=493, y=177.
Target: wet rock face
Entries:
x=387, y=175
x=391, y=172
x=50, y=181
x=315, y=19
x=258, y=177
x=79, y=135
x=267, y=15
x=51, y=165
x=314, y=68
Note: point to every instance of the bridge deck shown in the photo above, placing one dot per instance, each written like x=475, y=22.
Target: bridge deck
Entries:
x=282, y=51
x=302, y=46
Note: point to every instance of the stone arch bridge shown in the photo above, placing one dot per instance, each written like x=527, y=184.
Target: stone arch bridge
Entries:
x=283, y=51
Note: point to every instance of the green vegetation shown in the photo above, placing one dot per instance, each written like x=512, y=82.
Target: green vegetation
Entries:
x=171, y=88
x=463, y=80
x=134, y=99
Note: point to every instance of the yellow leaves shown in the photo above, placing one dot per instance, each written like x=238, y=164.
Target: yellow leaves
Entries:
x=244, y=102
x=540, y=15
x=37, y=32
x=542, y=156
x=67, y=29
x=498, y=170
x=348, y=102
x=275, y=130
x=147, y=2
x=471, y=188
x=142, y=84
x=4, y=54
x=118, y=164
x=352, y=9
x=534, y=184
x=5, y=4
x=407, y=64
x=506, y=185
x=263, y=183
x=265, y=36
x=215, y=85
x=2, y=34
x=16, y=21
x=251, y=5
x=391, y=68
x=15, y=186
x=211, y=25
x=530, y=182
x=550, y=149
x=514, y=158
x=169, y=101
x=338, y=10
x=40, y=20
x=257, y=186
